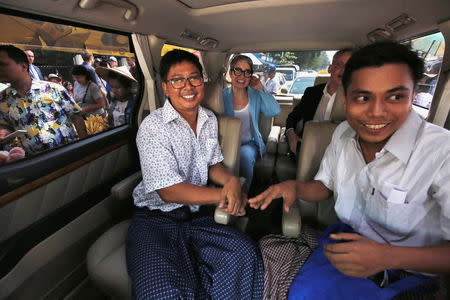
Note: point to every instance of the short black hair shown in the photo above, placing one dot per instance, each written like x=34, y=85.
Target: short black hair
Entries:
x=14, y=53
x=175, y=57
x=342, y=51
x=381, y=53
x=86, y=56
x=81, y=70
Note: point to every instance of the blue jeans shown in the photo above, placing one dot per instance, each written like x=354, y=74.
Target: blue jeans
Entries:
x=249, y=153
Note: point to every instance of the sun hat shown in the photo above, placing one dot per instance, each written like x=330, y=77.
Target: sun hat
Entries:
x=51, y=75
x=112, y=58
x=122, y=71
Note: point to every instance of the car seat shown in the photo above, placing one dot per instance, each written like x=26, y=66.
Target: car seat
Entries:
x=316, y=138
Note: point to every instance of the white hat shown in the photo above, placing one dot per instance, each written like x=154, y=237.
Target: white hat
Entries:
x=51, y=75
x=122, y=71
x=112, y=58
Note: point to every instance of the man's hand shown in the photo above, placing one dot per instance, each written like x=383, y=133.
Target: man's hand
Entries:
x=80, y=126
x=293, y=139
x=357, y=257
x=255, y=83
x=286, y=189
x=4, y=132
x=231, y=200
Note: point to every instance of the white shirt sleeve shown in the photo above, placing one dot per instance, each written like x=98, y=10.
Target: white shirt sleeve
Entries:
x=440, y=190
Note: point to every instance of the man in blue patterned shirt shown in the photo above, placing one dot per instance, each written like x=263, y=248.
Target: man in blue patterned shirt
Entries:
x=45, y=110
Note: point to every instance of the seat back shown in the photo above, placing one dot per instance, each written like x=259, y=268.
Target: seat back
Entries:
x=316, y=138
x=229, y=127
x=265, y=126
x=321, y=79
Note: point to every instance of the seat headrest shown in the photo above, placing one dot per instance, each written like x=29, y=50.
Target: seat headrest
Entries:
x=338, y=111
x=321, y=79
x=213, y=99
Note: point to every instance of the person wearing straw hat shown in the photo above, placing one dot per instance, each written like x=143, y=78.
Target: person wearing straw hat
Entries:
x=120, y=97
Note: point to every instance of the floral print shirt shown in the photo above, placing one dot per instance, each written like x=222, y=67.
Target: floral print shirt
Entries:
x=44, y=113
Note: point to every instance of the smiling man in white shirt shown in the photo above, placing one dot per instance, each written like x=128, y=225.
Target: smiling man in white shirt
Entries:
x=387, y=169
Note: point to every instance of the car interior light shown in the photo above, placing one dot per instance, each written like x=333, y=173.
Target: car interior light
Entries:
x=209, y=42
x=400, y=22
x=379, y=34
x=131, y=11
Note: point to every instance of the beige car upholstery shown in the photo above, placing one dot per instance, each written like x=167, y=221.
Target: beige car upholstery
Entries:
x=316, y=138
x=106, y=260
x=286, y=168
x=321, y=79
x=265, y=166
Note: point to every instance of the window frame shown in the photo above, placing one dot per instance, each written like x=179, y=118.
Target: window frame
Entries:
x=19, y=173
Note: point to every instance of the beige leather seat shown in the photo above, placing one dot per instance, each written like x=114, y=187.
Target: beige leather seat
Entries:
x=286, y=168
x=265, y=166
x=316, y=138
x=106, y=262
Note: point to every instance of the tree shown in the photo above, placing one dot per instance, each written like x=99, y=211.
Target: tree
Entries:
x=306, y=60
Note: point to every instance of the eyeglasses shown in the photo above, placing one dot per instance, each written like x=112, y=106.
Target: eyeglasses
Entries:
x=179, y=83
x=239, y=71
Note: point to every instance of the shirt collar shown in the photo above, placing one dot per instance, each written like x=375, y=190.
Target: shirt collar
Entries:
x=169, y=113
x=325, y=91
x=402, y=142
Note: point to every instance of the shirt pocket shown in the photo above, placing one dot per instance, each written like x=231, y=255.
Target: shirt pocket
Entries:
x=388, y=213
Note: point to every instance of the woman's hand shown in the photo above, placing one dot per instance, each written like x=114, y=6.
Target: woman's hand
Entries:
x=255, y=83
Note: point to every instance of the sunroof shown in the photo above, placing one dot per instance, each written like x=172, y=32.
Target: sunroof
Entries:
x=209, y=3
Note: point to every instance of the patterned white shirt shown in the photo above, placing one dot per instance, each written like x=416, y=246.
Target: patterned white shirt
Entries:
x=170, y=153
x=402, y=197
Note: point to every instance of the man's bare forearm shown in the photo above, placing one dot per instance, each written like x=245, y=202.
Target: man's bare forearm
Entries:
x=312, y=191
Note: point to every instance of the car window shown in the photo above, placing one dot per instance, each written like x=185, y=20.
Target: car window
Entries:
x=431, y=49
x=292, y=65
x=288, y=74
x=56, y=50
x=300, y=84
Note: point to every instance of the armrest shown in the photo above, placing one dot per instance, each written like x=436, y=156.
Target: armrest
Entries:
x=283, y=146
x=123, y=189
x=272, y=140
x=292, y=221
x=222, y=217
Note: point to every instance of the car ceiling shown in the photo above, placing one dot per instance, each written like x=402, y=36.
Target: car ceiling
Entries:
x=253, y=25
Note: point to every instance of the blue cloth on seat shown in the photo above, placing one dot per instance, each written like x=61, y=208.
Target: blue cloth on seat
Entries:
x=319, y=279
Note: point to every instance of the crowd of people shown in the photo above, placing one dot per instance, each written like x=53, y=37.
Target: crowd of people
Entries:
x=39, y=112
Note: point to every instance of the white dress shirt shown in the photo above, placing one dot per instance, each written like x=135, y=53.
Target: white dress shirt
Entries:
x=402, y=197
x=323, y=110
x=170, y=153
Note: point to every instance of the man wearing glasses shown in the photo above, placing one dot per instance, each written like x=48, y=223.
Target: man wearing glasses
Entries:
x=245, y=99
